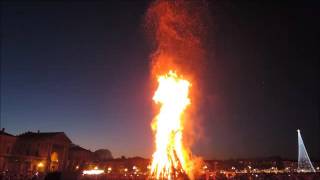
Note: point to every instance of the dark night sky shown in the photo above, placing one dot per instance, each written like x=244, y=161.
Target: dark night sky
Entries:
x=83, y=68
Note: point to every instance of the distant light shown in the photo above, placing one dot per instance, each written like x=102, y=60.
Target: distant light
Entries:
x=125, y=170
x=93, y=172
x=109, y=169
x=40, y=164
x=77, y=167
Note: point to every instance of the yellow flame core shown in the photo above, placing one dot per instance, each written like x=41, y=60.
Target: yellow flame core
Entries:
x=170, y=157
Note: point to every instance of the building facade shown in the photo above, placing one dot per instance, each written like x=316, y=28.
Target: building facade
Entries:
x=7, y=142
x=32, y=152
x=79, y=157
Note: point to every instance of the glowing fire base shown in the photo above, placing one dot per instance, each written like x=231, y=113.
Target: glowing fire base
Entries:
x=170, y=159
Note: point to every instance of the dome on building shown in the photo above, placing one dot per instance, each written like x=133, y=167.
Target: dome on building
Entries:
x=103, y=154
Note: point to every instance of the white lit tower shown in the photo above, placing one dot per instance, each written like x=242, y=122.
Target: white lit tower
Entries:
x=304, y=163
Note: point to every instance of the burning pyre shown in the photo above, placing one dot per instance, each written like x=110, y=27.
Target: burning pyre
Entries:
x=177, y=31
x=170, y=155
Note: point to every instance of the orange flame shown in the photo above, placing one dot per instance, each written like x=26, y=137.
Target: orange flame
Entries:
x=178, y=32
x=172, y=94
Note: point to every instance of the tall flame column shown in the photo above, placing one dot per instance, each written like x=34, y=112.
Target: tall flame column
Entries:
x=170, y=156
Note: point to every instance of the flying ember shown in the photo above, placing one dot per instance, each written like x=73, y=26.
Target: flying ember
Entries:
x=170, y=155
